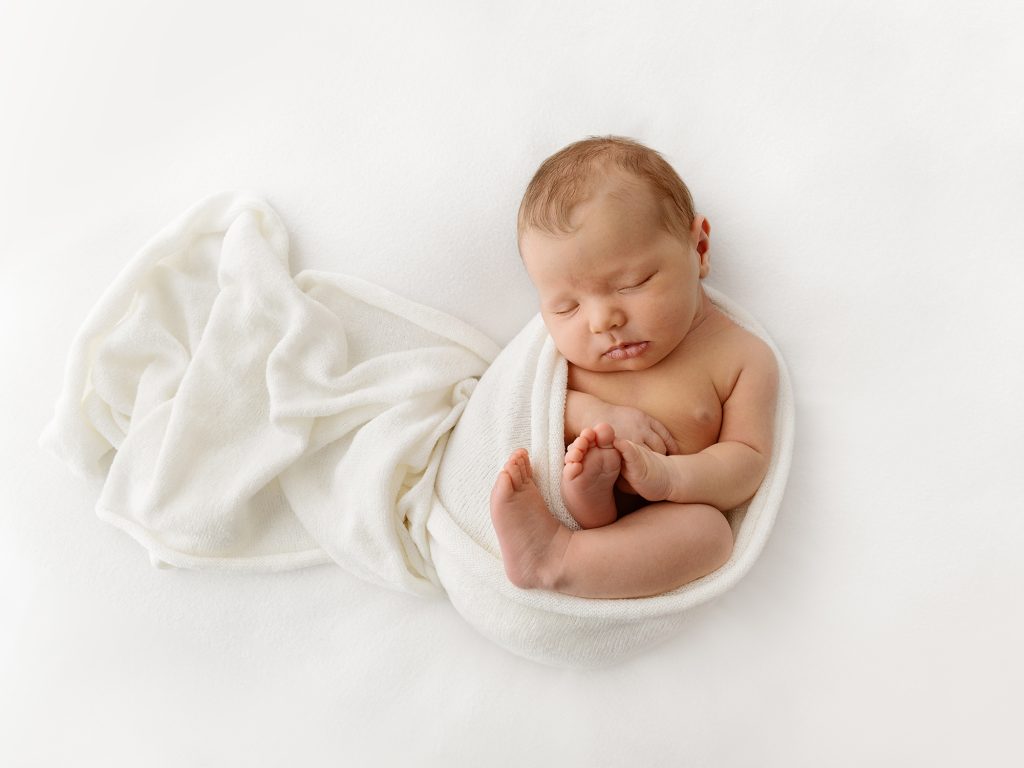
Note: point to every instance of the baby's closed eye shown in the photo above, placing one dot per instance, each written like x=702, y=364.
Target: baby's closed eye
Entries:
x=637, y=285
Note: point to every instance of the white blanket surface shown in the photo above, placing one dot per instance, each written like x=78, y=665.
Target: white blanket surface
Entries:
x=247, y=419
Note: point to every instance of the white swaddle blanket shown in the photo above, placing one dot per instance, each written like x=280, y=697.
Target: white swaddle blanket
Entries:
x=247, y=419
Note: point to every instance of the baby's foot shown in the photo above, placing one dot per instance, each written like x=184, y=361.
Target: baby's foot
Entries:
x=644, y=470
x=532, y=541
x=590, y=471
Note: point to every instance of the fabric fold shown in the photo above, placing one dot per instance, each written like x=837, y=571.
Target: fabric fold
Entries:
x=245, y=419
x=256, y=421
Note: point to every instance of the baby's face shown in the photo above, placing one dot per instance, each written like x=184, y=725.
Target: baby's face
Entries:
x=620, y=293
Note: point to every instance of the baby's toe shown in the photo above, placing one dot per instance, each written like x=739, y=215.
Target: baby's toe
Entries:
x=604, y=435
x=514, y=468
x=523, y=462
x=580, y=444
x=572, y=471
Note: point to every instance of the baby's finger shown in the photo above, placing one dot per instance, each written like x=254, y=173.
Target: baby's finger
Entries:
x=666, y=436
x=654, y=441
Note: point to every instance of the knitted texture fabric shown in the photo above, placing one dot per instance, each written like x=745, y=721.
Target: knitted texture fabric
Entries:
x=247, y=419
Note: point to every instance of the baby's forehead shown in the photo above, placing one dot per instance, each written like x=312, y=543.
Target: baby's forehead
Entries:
x=621, y=218
x=571, y=263
x=608, y=212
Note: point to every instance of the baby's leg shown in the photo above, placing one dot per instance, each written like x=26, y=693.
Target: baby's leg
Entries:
x=657, y=548
x=588, y=477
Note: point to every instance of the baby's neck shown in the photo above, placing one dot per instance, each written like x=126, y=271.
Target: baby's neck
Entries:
x=705, y=311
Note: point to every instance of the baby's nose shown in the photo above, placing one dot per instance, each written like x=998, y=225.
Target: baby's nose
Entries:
x=604, y=318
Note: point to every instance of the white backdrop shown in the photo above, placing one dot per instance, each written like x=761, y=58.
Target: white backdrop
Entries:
x=862, y=168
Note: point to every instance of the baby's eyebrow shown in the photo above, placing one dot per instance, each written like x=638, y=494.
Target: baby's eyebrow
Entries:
x=635, y=276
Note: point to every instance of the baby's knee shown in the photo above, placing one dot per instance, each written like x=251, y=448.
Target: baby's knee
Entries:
x=717, y=534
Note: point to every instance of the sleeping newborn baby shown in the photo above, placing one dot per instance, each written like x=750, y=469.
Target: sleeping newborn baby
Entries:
x=670, y=404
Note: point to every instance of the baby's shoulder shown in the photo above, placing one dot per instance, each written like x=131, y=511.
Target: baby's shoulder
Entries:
x=747, y=345
x=739, y=350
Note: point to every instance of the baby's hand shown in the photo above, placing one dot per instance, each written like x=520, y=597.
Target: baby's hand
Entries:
x=633, y=424
x=645, y=472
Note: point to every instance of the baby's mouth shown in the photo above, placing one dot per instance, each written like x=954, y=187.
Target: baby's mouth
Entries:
x=626, y=351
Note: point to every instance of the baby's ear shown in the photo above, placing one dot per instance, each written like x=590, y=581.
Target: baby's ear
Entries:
x=700, y=234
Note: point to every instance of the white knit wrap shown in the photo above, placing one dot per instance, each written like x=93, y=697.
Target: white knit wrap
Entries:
x=248, y=419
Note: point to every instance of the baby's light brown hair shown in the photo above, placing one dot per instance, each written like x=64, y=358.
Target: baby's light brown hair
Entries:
x=568, y=177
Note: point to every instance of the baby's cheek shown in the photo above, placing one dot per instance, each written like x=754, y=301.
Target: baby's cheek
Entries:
x=565, y=347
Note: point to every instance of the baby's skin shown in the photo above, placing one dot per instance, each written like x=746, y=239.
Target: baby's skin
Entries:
x=668, y=416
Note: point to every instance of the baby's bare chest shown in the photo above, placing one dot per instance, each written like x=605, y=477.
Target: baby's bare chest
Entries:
x=682, y=395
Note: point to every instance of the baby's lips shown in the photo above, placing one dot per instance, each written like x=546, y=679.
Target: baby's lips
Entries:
x=626, y=350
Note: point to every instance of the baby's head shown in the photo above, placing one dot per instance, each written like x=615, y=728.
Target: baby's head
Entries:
x=609, y=236
x=572, y=175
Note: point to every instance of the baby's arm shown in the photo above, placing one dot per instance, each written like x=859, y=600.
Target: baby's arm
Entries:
x=584, y=410
x=729, y=472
